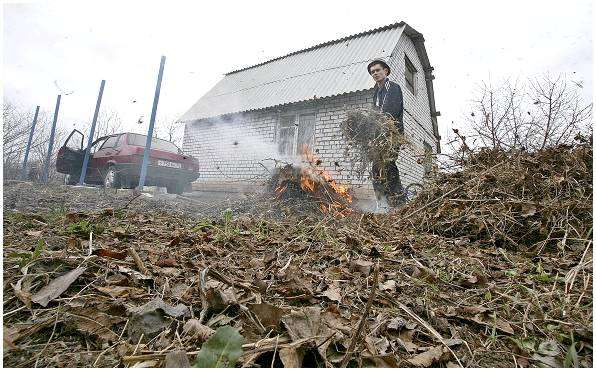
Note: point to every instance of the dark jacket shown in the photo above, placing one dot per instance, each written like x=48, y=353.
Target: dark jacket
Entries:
x=390, y=99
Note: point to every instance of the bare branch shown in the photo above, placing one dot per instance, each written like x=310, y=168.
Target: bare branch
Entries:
x=542, y=113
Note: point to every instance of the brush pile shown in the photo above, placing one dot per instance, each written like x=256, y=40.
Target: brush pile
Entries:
x=370, y=136
x=449, y=280
x=310, y=187
x=512, y=199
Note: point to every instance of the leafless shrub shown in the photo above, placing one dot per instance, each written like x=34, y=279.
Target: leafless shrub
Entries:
x=543, y=112
x=170, y=129
x=15, y=131
x=108, y=122
x=17, y=123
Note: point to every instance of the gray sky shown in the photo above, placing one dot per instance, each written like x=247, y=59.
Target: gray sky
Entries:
x=71, y=46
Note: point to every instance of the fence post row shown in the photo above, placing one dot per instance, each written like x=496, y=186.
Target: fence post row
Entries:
x=151, y=124
x=51, y=145
x=24, y=168
x=90, y=140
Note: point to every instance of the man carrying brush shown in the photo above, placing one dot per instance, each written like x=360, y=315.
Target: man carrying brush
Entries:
x=387, y=98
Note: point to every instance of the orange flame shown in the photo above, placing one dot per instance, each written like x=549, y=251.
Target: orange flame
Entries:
x=279, y=190
x=307, y=183
x=315, y=161
x=311, y=179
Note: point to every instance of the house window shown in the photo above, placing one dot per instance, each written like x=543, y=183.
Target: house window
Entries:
x=410, y=76
x=287, y=132
x=306, y=132
x=294, y=137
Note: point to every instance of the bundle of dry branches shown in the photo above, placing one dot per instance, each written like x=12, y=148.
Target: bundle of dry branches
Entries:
x=310, y=188
x=513, y=198
x=371, y=136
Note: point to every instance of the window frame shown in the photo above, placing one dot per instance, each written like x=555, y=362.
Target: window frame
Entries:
x=296, y=116
x=298, y=136
x=103, y=146
x=410, y=70
x=96, y=146
x=290, y=127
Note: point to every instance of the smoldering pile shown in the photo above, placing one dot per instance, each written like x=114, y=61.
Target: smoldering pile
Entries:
x=370, y=136
x=311, y=187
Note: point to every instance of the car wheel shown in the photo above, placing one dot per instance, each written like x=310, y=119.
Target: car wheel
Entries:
x=175, y=188
x=111, y=179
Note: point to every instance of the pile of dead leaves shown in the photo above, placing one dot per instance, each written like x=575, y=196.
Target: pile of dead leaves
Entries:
x=513, y=199
x=123, y=287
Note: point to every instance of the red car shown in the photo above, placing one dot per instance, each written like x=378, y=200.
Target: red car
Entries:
x=115, y=161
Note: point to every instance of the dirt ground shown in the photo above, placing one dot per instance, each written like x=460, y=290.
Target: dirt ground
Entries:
x=97, y=278
x=26, y=196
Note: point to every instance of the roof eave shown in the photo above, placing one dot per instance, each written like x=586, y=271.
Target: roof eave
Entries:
x=270, y=107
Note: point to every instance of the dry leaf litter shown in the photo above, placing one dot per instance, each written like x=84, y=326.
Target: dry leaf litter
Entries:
x=488, y=267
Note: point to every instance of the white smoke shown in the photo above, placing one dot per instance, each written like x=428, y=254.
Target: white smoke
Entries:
x=238, y=143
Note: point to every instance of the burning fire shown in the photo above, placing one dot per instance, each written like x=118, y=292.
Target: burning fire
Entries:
x=281, y=189
x=332, y=198
x=307, y=181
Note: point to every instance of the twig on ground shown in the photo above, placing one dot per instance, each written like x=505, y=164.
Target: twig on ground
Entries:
x=425, y=324
x=356, y=335
x=51, y=337
x=274, y=351
x=138, y=261
x=202, y=289
x=137, y=195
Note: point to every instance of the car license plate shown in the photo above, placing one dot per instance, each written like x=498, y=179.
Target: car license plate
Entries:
x=165, y=163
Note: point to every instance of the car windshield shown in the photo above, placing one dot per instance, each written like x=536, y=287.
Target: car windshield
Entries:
x=160, y=144
x=97, y=145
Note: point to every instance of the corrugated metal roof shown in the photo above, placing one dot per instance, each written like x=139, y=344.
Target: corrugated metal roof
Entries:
x=333, y=68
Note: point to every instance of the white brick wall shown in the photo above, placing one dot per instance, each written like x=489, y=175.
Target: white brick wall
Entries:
x=205, y=140
x=212, y=142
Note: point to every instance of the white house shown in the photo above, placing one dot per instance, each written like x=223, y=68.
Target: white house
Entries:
x=301, y=98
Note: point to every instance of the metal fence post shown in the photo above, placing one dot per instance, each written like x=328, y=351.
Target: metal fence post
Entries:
x=151, y=125
x=90, y=140
x=24, y=168
x=46, y=171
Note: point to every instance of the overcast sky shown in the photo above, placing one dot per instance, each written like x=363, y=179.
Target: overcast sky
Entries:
x=61, y=46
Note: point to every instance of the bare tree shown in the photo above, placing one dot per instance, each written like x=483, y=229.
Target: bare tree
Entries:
x=541, y=113
x=559, y=113
x=492, y=113
x=38, y=154
x=170, y=130
x=108, y=122
x=16, y=128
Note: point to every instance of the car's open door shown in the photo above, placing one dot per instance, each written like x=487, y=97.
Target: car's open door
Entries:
x=70, y=155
